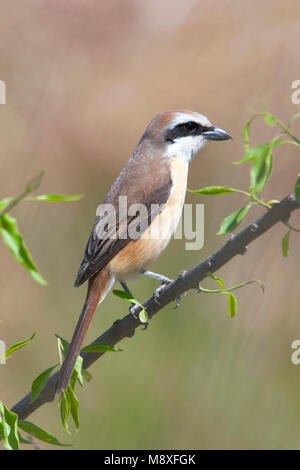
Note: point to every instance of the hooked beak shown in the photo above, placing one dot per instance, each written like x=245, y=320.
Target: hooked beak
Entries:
x=216, y=133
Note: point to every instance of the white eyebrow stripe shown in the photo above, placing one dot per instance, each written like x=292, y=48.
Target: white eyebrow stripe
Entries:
x=181, y=118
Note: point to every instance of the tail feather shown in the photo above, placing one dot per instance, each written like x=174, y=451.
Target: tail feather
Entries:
x=96, y=291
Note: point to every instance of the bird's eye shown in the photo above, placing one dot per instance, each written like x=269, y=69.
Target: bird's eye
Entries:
x=191, y=126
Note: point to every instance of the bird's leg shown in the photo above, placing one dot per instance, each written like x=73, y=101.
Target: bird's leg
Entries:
x=133, y=309
x=164, y=282
x=126, y=288
x=159, y=277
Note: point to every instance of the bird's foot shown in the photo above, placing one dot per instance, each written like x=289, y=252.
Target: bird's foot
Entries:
x=135, y=310
x=178, y=300
x=161, y=288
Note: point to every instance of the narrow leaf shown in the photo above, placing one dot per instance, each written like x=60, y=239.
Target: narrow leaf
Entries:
x=18, y=346
x=215, y=190
x=77, y=372
x=74, y=406
x=4, y=202
x=124, y=295
x=39, y=433
x=60, y=351
x=9, y=427
x=273, y=201
x=86, y=375
x=261, y=170
x=246, y=133
x=232, y=305
x=39, y=383
x=65, y=408
x=233, y=220
x=297, y=189
x=63, y=346
x=63, y=343
x=285, y=244
x=15, y=242
x=100, y=347
x=217, y=279
x=259, y=150
x=55, y=197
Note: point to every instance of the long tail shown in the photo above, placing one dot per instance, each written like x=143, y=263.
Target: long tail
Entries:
x=97, y=289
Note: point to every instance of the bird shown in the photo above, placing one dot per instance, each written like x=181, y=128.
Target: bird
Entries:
x=123, y=245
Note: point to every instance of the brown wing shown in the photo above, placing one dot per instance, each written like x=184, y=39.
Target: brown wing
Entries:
x=147, y=166
x=106, y=240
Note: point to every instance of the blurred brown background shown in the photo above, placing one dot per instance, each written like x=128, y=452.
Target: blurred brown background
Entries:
x=83, y=80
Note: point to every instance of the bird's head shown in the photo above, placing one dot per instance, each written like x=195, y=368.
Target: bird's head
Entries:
x=182, y=133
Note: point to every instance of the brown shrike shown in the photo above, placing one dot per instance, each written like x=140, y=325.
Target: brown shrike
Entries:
x=123, y=245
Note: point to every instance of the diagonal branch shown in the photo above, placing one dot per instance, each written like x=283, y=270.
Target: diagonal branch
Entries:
x=236, y=244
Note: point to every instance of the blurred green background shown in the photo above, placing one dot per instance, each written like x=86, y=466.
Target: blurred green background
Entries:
x=83, y=80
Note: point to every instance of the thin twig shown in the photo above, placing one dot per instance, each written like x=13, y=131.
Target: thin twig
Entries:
x=31, y=186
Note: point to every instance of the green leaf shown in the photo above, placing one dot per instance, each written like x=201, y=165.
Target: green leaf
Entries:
x=21, y=439
x=39, y=433
x=216, y=190
x=63, y=345
x=14, y=241
x=124, y=295
x=217, y=279
x=285, y=244
x=261, y=170
x=86, y=375
x=246, y=132
x=9, y=421
x=233, y=220
x=254, y=153
x=297, y=189
x=18, y=346
x=270, y=119
x=143, y=316
x=273, y=201
x=100, y=347
x=55, y=197
x=74, y=406
x=129, y=298
x=77, y=374
x=259, y=150
x=4, y=202
x=232, y=305
x=65, y=408
x=39, y=383
x=63, y=342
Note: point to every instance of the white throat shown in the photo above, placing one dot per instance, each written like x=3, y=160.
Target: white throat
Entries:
x=185, y=148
